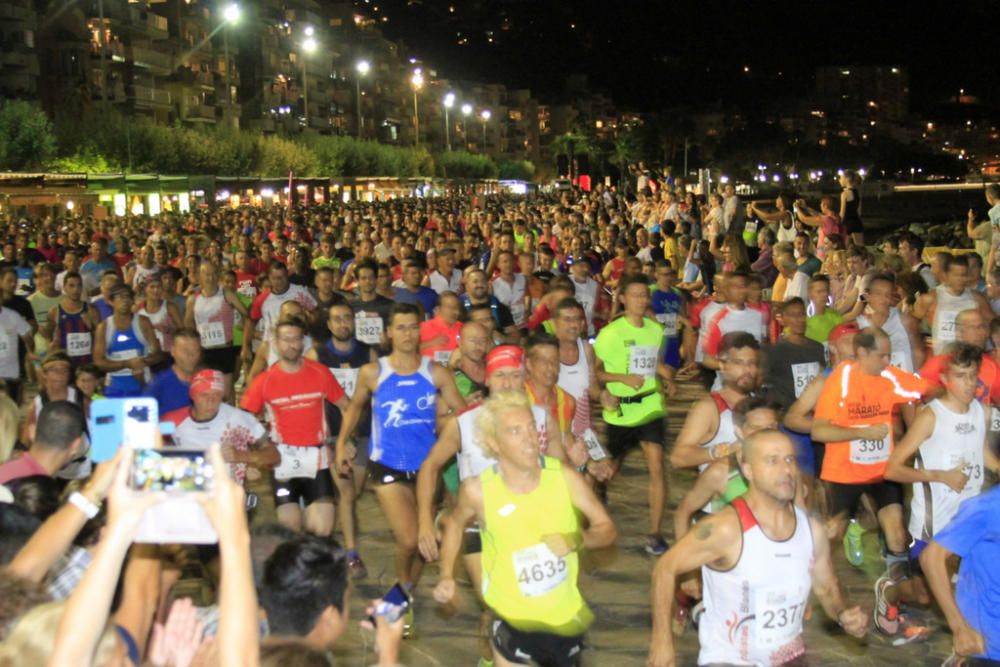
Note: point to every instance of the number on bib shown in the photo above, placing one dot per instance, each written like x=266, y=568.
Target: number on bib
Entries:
x=298, y=462
x=669, y=322
x=778, y=615
x=442, y=356
x=5, y=344
x=869, y=452
x=78, y=344
x=348, y=379
x=594, y=447
x=538, y=570
x=368, y=329
x=994, y=419
x=803, y=374
x=213, y=334
x=642, y=360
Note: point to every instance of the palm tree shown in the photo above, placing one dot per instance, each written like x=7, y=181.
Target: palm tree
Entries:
x=571, y=144
x=625, y=151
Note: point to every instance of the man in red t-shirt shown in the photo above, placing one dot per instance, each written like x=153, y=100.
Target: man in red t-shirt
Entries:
x=970, y=328
x=294, y=390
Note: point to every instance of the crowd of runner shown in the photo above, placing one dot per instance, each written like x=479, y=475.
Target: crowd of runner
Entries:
x=484, y=365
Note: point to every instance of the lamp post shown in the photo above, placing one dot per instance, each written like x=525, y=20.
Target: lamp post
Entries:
x=449, y=102
x=362, y=69
x=484, y=115
x=466, y=112
x=231, y=16
x=308, y=46
x=418, y=82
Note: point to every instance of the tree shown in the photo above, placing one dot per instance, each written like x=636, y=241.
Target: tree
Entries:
x=571, y=144
x=26, y=137
x=625, y=151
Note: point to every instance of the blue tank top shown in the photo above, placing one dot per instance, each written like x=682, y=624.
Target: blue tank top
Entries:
x=666, y=304
x=403, y=417
x=122, y=346
x=75, y=335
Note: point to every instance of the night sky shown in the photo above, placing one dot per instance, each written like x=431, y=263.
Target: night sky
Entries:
x=654, y=55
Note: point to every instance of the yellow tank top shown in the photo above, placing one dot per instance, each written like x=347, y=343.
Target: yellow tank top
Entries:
x=523, y=581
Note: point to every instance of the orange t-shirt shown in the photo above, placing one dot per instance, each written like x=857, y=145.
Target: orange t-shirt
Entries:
x=852, y=399
x=987, y=387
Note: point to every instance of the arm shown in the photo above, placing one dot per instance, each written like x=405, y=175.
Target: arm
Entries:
x=717, y=540
x=445, y=382
x=906, y=448
x=261, y=454
x=175, y=314
x=711, y=482
x=52, y=331
x=100, y=352
x=260, y=359
x=798, y=417
x=825, y=431
x=468, y=507
x=155, y=354
x=441, y=453
x=140, y=593
x=234, y=300
x=600, y=531
x=699, y=426
x=189, y=313
x=604, y=377
x=934, y=563
x=827, y=588
x=843, y=204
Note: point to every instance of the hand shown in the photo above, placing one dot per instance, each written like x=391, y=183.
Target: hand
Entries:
x=954, y=478
x=602, y=471
x=428, y=538
x=875, y=432
x=136, y=364
x=246, y=355
x=229, y=454
x=176, y=642
x=388, y=635
x=608, y=400
x=99, y=484
x=561, y=544
x=967, y=641
x=722, y=451
x=661, y=654
x=125, y=505
x=972, y=217
x=226, y=505
x=671, y=387
x=576, y=452
x=343, y=461
x=444, y=592
x=854, y=621
x=634, y=381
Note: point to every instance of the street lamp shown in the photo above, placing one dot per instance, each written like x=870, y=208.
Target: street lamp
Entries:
x=466, y=112
x=308, y=46
x=418, y=82
x=484, y=115
x=231, y=16
x=449, y=102
x=361, y=68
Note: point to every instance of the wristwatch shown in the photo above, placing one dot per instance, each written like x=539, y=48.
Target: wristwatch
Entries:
x=81, y=502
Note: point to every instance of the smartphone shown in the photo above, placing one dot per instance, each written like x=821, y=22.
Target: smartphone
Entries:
x=394, y=604
x=184, y=475
x=115, y=422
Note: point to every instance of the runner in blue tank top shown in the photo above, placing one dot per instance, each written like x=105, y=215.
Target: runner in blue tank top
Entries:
x=668, y=306
x=125, y=346
x=402, y=389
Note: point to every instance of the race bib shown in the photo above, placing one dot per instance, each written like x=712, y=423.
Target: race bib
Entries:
x=642, y=360
x=299, y=462
x=994, y=419
x=870, y=452
x=897, y=359
x=78, y=344
x=778, y=615
x=974, y=471
x=6, y=345
x=594, y=447
x=348, y=379
x=538, y=570
x=750, y=227
x=213, y=334
x=368, y=329
x=669, y=322
x=803, y=374
x=946, y=330
x=442, y=356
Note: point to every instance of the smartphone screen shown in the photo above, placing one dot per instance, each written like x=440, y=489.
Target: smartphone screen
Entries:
x=171, y=471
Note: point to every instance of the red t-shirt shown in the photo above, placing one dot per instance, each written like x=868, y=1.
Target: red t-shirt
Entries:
x=435, y=327
x=988, y=386
x=295, y=402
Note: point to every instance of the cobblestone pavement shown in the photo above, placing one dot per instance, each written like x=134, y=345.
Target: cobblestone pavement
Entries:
x=616, y=583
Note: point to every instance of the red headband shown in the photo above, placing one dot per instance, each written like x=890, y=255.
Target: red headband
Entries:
x=505, y=356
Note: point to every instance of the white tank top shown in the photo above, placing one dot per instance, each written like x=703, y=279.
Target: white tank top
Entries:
x=586, y=294
x=163, y=326
x=957, y=439
x=213, y=317
x=726, y=432
x=947, y=309
x=575, y=381
x=899, y=339
x=141, y=273
x=707, y=313
x=753, y=612
x=472, y=460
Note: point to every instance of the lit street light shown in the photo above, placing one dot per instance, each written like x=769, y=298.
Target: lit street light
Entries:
x=466, y=112
x=449, y=102
x=308, y=46
x=418, y=82
x=362, y=69
x=484, y=115
x=231, y=16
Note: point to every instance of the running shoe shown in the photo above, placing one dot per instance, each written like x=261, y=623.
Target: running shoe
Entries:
x=852, y=544
x=682, y=612
x=483, y=662
x=885, y=615
x=656, y=545
x=355, y=566
x=954, y=660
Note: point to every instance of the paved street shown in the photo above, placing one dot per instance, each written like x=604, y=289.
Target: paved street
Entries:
x=616, y=584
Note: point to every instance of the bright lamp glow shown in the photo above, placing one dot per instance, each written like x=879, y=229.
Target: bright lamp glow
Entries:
x=309, y=45
x=466, y=109
x=417, y=79
x=231, y=13
x=362, y=67
x=449, y=100
x=485, y=114
x=309, y=31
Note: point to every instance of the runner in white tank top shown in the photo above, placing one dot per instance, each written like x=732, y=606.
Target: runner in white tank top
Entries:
x=759, y=559
x=946, y=310
x=575, y=381
x=213, y=317
x=163, y=324
x=899, y=339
